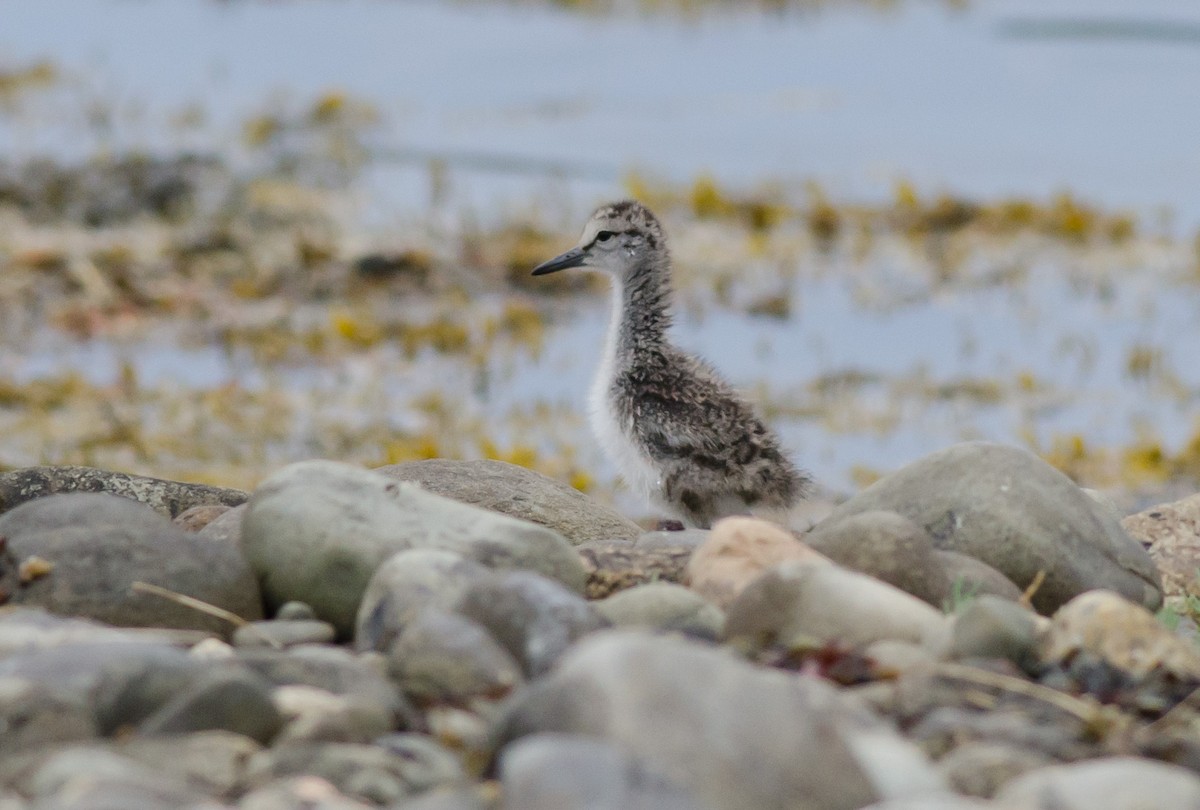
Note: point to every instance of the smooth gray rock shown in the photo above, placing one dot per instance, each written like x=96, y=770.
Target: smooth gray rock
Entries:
x=91, y=778
x=365, y=772
x=25, y=630
x=427, y=763
x=211, y=761
x=226, y=528
x=796, y=604
x=130, y=689
x=168, y=498
x=279, y=634
x=970, y=578
x=534, y=618
x=87, y=763
x=982, y=768
x=888, y=546
x=947, y=801
x=735, y=735
x=292, y=792
x=444, y=799
x=519, y=493
x=103, y=687
x=991, y=627
x=1010, y=509
x=315, y=715
x=943, y=728
x=99, y=545
x=1113, y=783
x=447, y=658
x=573, y=772
x=318, y=530
x=33, y=714
x=406, y=584
x=333, y=670
x=891, y=656
x=295, y=611
x=221, y=699
x=663, y=606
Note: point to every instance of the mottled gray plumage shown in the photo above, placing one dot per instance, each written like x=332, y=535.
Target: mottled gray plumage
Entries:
x=677, y=431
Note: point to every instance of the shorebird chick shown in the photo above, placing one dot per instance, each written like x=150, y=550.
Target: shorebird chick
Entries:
x=679, y=434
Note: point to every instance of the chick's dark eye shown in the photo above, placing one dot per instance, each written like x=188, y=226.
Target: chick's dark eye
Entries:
x=604, y=236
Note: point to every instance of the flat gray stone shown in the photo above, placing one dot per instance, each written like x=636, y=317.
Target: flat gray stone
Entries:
x=33, y=714
x=227, y=527
x=318, y=530
x=991, y=627
x=447, y=658
x=368, y=773
x=982, y=768
x=99, y=545
x=222, y=699
x=284, y=633
x=97, y=778
x=169, y=498
x=970, y=577
x=1113, y=783
x=520, y=493
x=291, y=792
x=213, y=761
x=888, y=546
x=1005, y=506
x=573, y=772
x=314, y=715
x=404, y=586
x=534, y=618
x=738, y=737
x=663, y=606
x=797, y=603
x=24, y=630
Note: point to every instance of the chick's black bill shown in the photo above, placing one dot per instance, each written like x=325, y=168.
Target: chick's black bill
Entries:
x=572, y=258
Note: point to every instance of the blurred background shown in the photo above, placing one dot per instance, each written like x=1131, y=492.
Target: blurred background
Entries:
x=238, y=234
